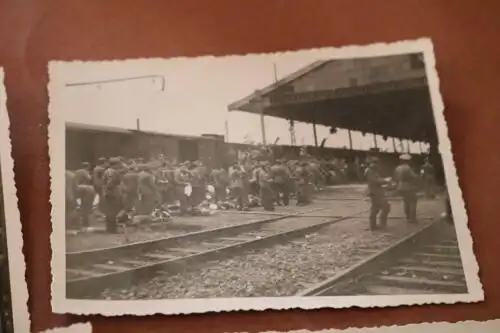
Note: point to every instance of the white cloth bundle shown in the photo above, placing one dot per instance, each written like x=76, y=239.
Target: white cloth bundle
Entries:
x=188, y=190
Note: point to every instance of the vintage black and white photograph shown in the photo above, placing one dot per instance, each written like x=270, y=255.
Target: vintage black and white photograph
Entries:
x=14, y=315
x=313, y=178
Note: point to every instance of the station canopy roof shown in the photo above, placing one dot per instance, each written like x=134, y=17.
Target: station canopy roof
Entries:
x=395, y=106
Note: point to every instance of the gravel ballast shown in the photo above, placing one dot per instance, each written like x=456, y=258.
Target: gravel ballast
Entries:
x=281, y=270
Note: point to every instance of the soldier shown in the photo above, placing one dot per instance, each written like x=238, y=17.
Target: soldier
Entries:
x=112, y=204
x=220, y=180
x=168, y=177
x=180, y=182
x=86, y=194
x=71, y=196
x=98, y=178
x=428, y=177
x=266, y=193
x=130, y=184
x=302, y=178
x=376, y=191
x=198, y=184
x=82, y=175
x=281, y=181
x=406, y=181
x=147, y=191
x=237, y=185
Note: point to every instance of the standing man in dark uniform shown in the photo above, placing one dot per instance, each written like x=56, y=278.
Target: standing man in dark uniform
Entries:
x=407, y=181
x=237, y=184
x=181, y=180
x=71, y=197
x=86, y=194
x=147, y=191
x=281, y=179
x=220, y=180
x=82, y=175
x=302, y=178
x=112, y=204
x=98, y=179
x=130, y=185
x=428, y=177
x=266, y=192
x=377, y=195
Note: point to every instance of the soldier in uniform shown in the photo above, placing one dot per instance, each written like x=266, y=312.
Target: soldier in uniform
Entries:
x=237, y=184
x=428, y=177
x=130, y=184
x=198, y=184
x=112, y=204
x=86, y=194
x=376, y=191
x=71, y=196
x=266, y=193
x=407, y=180
x=98, y=178
x=281, y=180
x=302, y=178
x=181, y=180
x=82, y=175
x=147, y=191
x=220, y=180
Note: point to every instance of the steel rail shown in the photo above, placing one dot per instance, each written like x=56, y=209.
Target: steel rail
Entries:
x=89, y=286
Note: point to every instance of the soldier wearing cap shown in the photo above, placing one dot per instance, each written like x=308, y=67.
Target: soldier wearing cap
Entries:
x=181, y=180
x=428, y=177
x=238, y=185
x=82, y=175
x=112, y=199
x=281, y=180
x=71, y=196
x=130, y=184
x=407, y=182
x=266, y=193
x=198, y=183
x=220, y=181
x=98, y=178
x=147, y=190
x=86, y=194
x=376, y=191
x=302, y=179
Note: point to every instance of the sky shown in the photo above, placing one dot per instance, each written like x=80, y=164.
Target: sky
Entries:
x=195, y=97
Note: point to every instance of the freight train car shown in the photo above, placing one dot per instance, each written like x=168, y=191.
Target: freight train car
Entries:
x=86, y=143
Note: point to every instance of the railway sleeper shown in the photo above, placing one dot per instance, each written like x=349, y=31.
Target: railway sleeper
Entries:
x=453, y=287
x=78, y=259
x=88, y=287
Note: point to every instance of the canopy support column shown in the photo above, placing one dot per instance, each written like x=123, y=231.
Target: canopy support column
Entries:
x=375, y=141
x=315, y=135
x=263, y=127
x=293, y=140
x=408, y=146
x=350, y=138
x=394, y=145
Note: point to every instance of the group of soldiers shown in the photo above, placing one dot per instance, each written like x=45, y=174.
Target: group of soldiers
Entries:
x=407, y=184
x=138, y=186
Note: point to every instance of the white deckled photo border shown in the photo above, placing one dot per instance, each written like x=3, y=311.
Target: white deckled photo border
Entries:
x=17, y=264
x=489, y=326
x=61, y=304
x=75, y=328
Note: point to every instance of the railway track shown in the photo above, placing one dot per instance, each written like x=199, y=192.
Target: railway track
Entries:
x=425, y=262
x=90, y=272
